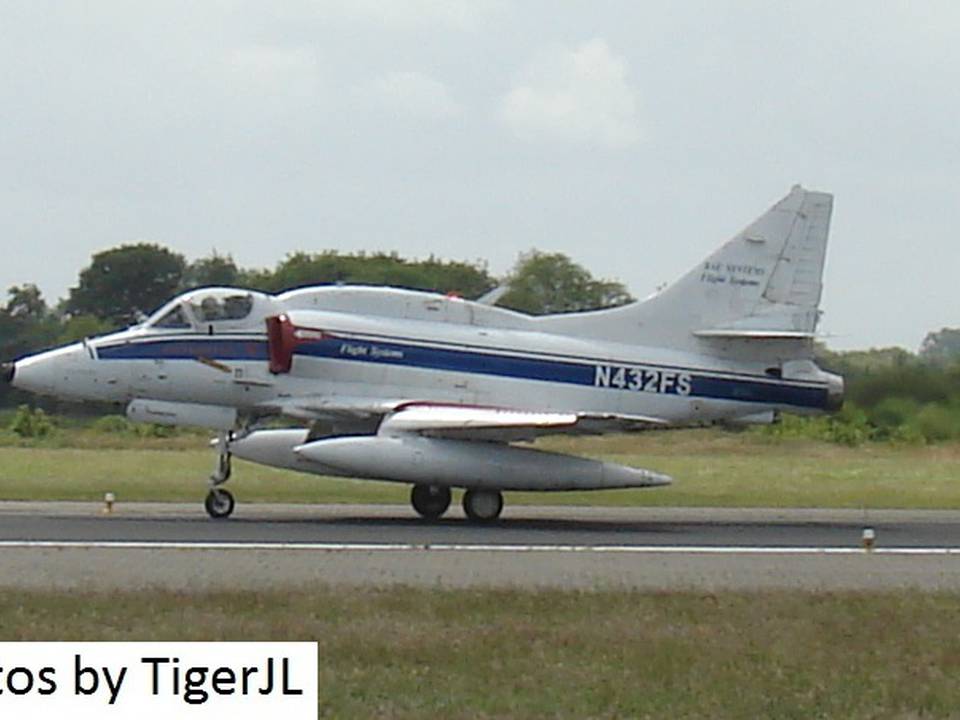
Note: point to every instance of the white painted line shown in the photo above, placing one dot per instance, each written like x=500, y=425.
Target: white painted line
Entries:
x=468, y=547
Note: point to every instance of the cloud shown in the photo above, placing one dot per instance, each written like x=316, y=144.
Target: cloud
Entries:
x=453, y=14
x=576, y=95
x=412, y=94
x=269, y=61
x=276, y=70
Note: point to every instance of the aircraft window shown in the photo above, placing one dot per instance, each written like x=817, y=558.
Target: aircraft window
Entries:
x=173, y=319
x=215, y=309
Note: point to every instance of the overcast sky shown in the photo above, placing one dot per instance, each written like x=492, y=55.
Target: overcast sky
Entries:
x=633, y=136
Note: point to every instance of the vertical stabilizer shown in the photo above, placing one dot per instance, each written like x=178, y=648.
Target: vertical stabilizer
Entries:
x=765, y=283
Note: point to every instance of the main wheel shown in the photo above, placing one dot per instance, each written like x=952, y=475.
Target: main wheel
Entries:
x=219, y=503
x=431, y=501
x=482, y=505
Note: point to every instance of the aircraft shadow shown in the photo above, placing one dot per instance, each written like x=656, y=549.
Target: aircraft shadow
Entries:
x=565, y=525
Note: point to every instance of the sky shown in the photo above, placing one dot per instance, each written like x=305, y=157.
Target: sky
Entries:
x=633, y=136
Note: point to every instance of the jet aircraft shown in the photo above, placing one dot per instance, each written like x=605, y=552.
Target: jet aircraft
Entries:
x=441, y=393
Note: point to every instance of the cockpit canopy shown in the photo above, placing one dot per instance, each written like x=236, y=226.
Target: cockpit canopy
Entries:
x=214, y=307
x=214, y=310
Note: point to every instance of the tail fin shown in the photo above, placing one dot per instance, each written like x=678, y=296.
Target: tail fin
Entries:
x=765, y=283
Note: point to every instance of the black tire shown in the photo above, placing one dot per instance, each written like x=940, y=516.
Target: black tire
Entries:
x=431, y=501
x=483, y=505
x=219, y=503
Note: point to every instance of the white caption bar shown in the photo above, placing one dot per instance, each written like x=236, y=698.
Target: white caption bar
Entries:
x=158, y=680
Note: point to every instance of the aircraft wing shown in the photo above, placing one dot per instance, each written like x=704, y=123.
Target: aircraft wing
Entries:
x=321, y=408
x=492, y=424
x=462, y=422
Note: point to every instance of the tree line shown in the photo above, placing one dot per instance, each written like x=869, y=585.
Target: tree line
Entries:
x=126, y=282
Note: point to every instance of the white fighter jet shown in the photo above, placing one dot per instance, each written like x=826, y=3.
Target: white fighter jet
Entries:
x=437, y=392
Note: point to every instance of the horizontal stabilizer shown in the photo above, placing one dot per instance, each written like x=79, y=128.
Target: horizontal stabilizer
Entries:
x=732, y=334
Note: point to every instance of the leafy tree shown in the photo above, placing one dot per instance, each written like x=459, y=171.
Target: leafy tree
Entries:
x=78, y=327
x=863, y=361
x=26, y=303
x=543, y=283
x=256, y=279
x=125, y=281
x=212, y=270
x=941, y=346
x=303, y=269
x=26, y=324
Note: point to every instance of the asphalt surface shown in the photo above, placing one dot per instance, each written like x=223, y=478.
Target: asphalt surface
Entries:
x=78, y=546
x=520, y=525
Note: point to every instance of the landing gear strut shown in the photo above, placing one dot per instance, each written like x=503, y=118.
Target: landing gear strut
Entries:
x=482, y=505
x=219, y=502
x=431, y=501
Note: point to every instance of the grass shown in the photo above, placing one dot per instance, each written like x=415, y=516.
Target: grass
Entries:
x=710, y=468
x=404, y=652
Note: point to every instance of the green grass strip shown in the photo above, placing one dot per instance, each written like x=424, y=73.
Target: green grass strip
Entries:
x=710, y=469
x=413, y=653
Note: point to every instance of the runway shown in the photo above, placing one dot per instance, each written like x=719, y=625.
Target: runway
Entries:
x=77, y=546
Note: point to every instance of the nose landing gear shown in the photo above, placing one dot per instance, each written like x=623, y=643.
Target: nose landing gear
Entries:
x=219, y=502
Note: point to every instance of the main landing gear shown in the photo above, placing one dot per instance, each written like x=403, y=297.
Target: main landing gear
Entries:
x=480, y=505
x=219, y=502
x=431, y=501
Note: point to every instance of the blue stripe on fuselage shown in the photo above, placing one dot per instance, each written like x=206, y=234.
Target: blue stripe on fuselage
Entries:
x=186, y=349
x=435, y=358
x=574, y=373
x=466, y=361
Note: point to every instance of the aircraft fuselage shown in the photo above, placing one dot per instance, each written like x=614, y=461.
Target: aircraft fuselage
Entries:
x=339, y=355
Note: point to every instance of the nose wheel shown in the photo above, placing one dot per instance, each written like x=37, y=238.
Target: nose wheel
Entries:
x=219, y=503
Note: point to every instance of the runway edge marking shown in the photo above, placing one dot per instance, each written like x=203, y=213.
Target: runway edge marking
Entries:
x=472, y=547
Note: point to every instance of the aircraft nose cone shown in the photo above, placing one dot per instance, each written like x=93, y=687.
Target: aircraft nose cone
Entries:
x=7, y=371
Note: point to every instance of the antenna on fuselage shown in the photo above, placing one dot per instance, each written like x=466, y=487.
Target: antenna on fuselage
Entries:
x=492, y=297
